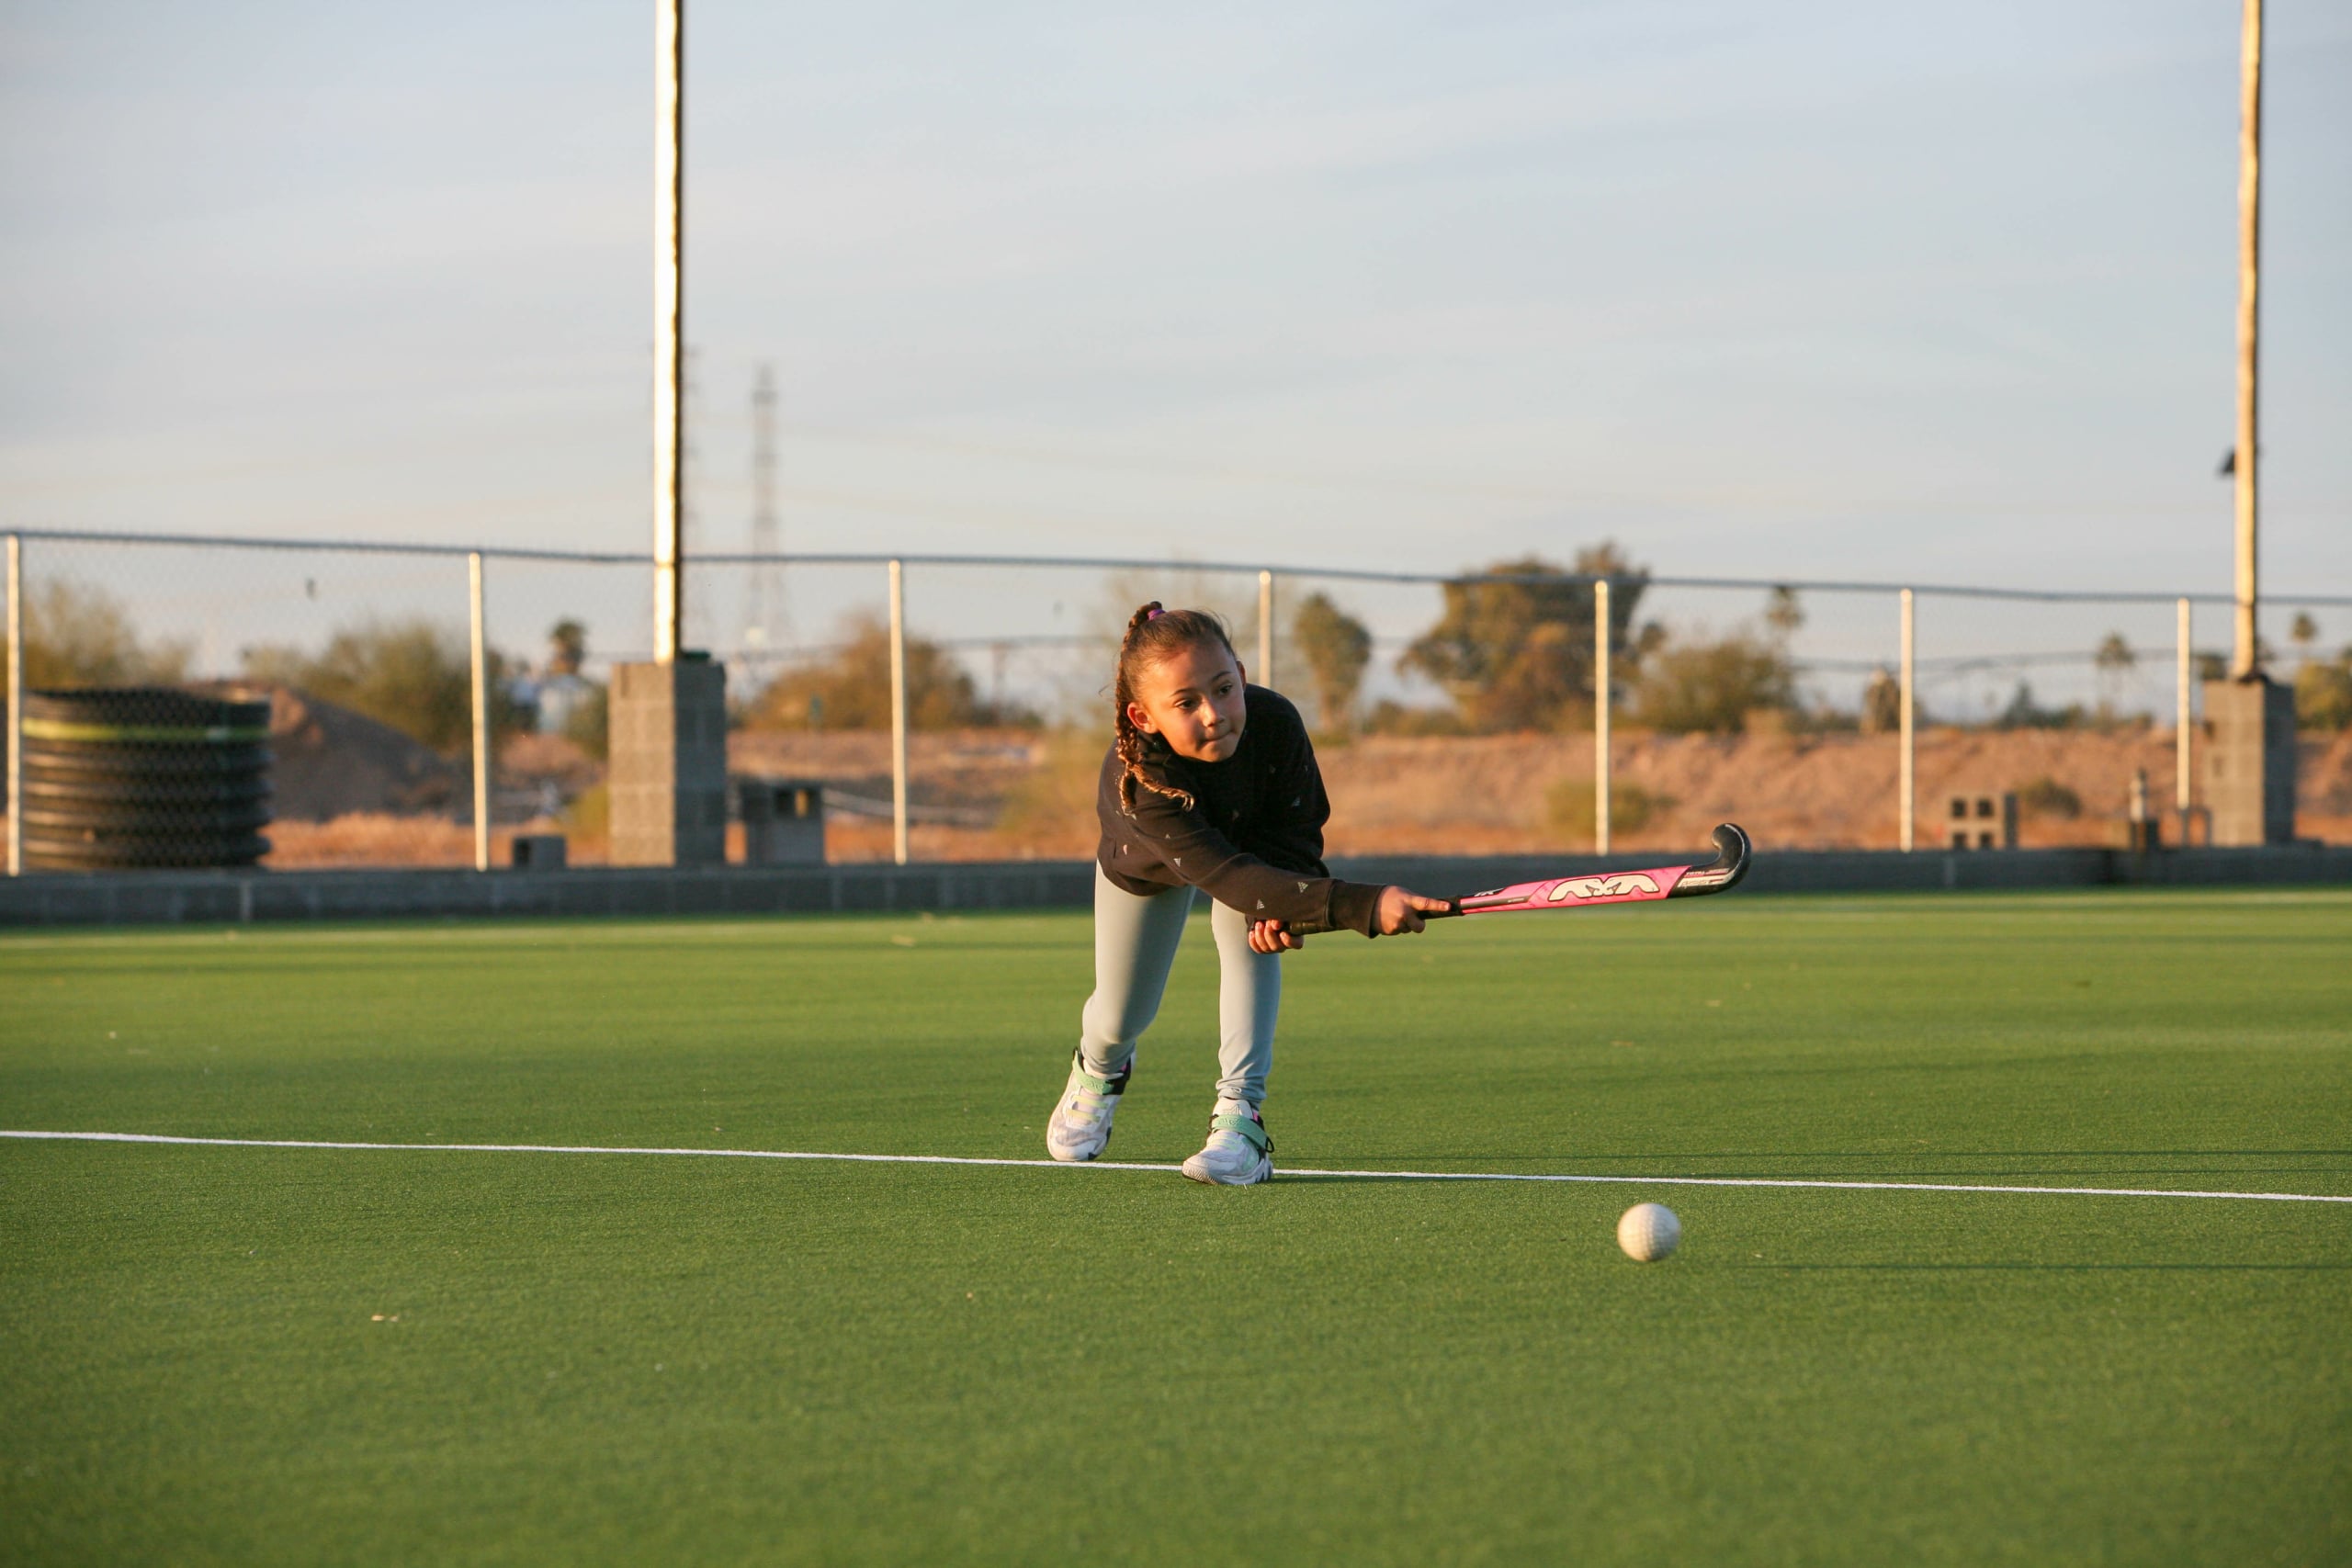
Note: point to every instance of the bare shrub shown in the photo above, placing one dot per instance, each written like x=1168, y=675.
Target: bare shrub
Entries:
x=79, y=635
x=413, y=675
x=1714, y=686
x=850, y=690
x=1569, y=806
x=1051, y=807
x=2045, y=796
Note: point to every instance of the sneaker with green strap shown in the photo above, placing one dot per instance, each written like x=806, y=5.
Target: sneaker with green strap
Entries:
x=1079, y=1127
x=1239, y=1152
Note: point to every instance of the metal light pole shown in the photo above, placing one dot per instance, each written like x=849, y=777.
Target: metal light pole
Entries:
x=2250, y=756
x=2182, y=783
x=15, y=705
x=481, y=715
x=1600, y=717
x=1266, y=628
x=2248, y=458
x=899, y=712
x=669, y=326
x=1908, y=808
x=667, y=774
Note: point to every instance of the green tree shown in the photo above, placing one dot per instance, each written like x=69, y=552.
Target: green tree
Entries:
x=2024, y=713
x=1518, y=656
x=1714, y=686
x=567, y=647
x=411, y=674
x=79, y=635
x=850, y=689
x=1783, y=613
x=589, y=725
x=1882, y=704
x=1336, y=647
x=2323, y=693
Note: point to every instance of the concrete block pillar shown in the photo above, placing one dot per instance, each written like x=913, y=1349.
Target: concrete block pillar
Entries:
x=2250, y=761
x=668, y=771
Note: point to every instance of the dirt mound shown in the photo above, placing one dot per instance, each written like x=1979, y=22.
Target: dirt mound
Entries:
x=1487, y=794
x=328, y=761
x=1394, y=794
x=1011, y=794
x=957, y=776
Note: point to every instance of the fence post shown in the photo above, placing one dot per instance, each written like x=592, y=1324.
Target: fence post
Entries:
x=1266, y=628
x=16, y=705
x=1908, y=808
x=1600, y=717
x=2182, y=782
x=899, y=712
x=481, y=714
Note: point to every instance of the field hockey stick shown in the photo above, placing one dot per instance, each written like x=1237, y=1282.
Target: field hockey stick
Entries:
x=1582, y=891
x=1717, y=875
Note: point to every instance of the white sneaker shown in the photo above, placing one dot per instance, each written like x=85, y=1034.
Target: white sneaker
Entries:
x=1079, y=1127
x=1239, y=1152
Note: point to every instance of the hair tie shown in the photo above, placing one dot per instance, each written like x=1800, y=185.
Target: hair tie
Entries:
x=1153, y=615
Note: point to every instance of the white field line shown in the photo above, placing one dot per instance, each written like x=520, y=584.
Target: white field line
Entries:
x=1120, y=1165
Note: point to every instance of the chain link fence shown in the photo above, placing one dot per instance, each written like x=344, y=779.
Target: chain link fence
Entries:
x=316, y=703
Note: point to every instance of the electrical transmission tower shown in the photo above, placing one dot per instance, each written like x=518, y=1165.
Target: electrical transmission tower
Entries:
x=763, y=612
x=700, y=623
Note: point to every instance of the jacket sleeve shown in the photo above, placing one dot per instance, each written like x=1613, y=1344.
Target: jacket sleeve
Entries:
x=1298, y=808
x=1257, y=888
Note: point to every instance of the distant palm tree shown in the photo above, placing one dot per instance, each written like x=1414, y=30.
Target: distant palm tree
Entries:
x=2304, y=632
x=2115, y=661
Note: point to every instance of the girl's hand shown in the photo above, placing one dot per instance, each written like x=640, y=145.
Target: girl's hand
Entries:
x=1272, y=936
x=1400, y=911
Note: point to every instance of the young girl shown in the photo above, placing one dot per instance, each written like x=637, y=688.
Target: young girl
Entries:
x=1211, y=785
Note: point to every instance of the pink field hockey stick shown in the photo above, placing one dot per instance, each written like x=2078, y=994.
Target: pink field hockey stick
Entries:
x=1717, y=875
x=1583, y=892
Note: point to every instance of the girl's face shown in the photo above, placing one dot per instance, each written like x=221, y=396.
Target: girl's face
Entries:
x=1192, y=699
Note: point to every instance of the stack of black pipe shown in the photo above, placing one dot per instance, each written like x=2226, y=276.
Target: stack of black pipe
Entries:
x=121, y=778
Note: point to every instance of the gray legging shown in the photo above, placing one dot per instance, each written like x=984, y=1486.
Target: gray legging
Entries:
x=1135, y=941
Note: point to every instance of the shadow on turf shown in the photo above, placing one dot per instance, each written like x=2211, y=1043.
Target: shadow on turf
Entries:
x=1653, y=1155
x=2055, y=1268
x=1901, y=1165
x=2023, y=1175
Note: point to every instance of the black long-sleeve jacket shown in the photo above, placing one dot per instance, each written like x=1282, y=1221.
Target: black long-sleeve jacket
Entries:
x=1254, y=838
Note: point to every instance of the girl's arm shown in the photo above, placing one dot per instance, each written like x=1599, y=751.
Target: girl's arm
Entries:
x=1396, y=912
x=1206, y=858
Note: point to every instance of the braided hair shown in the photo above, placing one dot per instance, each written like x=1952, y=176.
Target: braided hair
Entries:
x=1154, y=634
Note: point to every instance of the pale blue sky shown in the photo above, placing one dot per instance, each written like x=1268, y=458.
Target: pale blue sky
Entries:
x=1814, y=289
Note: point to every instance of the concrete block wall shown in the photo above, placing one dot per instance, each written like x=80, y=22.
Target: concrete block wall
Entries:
x=667, y=778
x=2250, y=761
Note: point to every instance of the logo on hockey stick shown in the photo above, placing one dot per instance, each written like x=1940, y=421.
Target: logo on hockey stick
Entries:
x=1621, y=884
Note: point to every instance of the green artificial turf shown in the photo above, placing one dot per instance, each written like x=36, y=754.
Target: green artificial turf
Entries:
x=610, y=1359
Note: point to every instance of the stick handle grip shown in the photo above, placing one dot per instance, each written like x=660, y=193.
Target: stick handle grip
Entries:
x=1318, y=928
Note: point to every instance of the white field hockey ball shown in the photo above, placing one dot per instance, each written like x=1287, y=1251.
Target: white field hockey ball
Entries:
x=1648, y=1232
